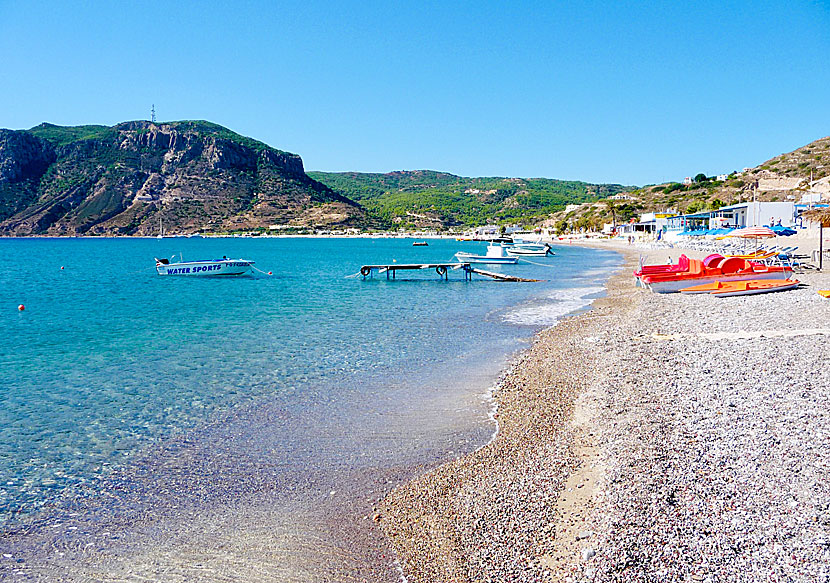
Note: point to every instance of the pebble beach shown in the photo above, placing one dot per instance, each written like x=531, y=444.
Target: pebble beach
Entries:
x=657, y=437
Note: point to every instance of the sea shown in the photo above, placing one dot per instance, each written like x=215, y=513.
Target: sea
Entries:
x=178, y=428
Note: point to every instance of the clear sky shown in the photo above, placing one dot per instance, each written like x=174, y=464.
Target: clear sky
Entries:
x=626, y=92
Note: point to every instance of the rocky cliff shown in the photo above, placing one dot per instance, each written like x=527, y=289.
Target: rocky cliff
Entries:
x=133, y=177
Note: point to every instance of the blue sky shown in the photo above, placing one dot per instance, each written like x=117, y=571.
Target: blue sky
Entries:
x=634, y=93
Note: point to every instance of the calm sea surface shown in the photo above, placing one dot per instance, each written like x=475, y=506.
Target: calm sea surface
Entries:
x=122, y=392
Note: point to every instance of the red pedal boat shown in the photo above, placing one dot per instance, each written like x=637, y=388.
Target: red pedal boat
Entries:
x=713, y=269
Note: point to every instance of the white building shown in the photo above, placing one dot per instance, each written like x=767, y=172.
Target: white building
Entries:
x=756, y=214
x=487, y=231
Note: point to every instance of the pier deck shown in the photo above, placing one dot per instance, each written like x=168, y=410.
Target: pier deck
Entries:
x=442, y=269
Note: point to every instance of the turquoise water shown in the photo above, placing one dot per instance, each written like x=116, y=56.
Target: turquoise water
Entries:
x=111, y=367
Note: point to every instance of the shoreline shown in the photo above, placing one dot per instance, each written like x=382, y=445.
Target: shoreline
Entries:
x=593, y=422
x=456, y=523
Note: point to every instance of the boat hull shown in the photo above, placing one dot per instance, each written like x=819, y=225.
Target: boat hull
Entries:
x=759, y=288
x=470, y=258
x=742, y=288
x=213, y=268
x=529, y=252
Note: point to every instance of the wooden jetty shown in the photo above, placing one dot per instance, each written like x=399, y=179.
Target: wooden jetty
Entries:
x=442, y=269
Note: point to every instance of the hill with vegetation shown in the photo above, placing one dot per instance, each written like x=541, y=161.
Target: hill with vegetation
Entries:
x=429, y=199
x=134, y=177
x=786, y=177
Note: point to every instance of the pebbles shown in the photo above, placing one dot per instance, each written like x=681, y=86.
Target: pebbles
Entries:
x=714, y=451
x=718, y=468
x=494, y=515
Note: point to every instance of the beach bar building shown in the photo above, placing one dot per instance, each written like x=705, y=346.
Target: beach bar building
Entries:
x=756, y=214
x=686, y=224
x=648, y=225
x=735, y=216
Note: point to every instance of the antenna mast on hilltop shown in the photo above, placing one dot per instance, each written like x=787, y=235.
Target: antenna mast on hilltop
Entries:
x=153, y=113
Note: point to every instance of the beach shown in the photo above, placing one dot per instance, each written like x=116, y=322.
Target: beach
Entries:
x=657, y=437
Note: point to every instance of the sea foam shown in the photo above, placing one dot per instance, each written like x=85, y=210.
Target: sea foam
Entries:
x=548, y=311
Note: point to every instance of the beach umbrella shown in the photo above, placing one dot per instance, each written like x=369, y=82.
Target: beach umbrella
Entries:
x=822, y=217
x=753, y=233
x=782, y=231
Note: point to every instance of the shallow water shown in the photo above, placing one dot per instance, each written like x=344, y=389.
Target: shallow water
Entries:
x=175, y=409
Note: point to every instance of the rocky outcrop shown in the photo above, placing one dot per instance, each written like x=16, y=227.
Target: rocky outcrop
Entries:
x=128, y=179
x=23, y=161
x=23, y=156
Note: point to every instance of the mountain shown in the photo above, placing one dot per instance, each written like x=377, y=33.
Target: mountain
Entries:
x=425, y=198
x=788, y=176
x=130, y=178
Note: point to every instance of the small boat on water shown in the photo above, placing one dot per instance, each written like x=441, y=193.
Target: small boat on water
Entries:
x=211, y=267
x=420, y=244
x=495, y=254
x=535, y=249
x=742, y=288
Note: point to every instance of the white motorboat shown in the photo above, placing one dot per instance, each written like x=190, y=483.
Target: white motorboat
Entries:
x=212, y=267
x=495, y=254
x=537, y=249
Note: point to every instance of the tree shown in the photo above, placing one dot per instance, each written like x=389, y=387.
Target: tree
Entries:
x=612, y=208
x=701, y=178
x=695, y=207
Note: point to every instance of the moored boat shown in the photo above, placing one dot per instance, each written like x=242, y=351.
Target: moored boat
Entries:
x=211, y=267
x=536, y=249
x=495, y=254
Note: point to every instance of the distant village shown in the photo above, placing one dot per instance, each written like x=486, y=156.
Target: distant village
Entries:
x=799, y=195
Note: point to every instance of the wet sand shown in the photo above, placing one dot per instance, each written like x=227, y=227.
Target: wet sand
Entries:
x=654, y=438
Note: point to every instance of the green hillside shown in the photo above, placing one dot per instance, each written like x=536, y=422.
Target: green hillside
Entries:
x=192, y=176
x=62, y=135
x=424, y=197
